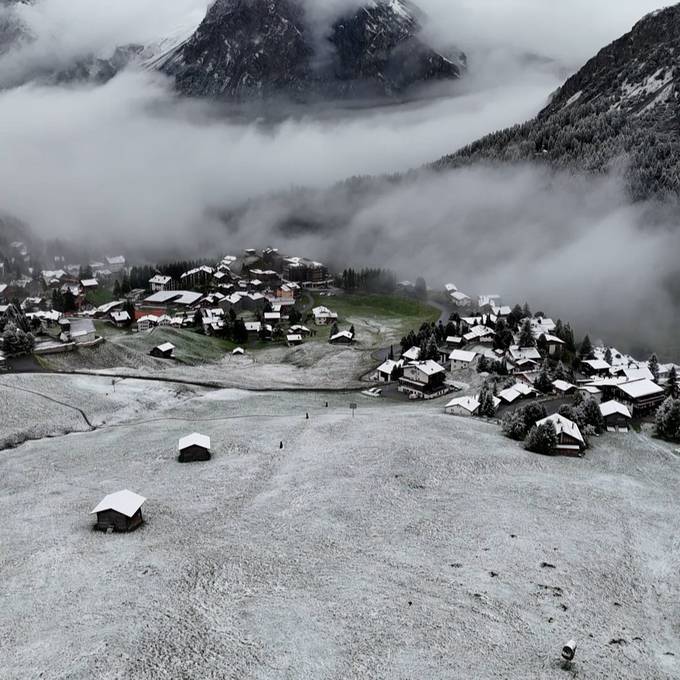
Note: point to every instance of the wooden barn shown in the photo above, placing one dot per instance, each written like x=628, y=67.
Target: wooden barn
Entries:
x=164, y=351
x=194, y=447
x=570, y=441
x=120, y=511
x=616, y=416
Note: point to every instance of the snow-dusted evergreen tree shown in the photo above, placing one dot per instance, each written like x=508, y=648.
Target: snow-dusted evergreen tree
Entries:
x=543, y=382
x=653, y=365
x=526, y=336
x=542, y=439
x=672, y=383
x=586, y=349
x=668, y=420
x=486, y=405
x=591, y=414
x=608, y=356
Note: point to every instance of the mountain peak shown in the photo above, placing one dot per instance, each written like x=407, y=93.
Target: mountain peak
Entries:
x=247, y=49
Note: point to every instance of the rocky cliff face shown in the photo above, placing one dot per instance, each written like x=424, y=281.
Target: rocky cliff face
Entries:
x=247, y=49
x=620, y=110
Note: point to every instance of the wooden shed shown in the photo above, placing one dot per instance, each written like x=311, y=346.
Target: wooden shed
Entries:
x=120, y=511
x=164, y=351
x=616, y=416
x=194, y=447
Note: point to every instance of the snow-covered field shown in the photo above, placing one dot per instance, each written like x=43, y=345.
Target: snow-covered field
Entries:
x=401, y=543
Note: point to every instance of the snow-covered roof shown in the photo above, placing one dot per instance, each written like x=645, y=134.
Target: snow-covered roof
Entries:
x=293, y=337
x=638, y=373
x=553, y=339
x=194, y=439
x=563, y=424
x=459, y=297
x=451, y=287
x=640, y=388
x=611, y=407
x=300, y=329
x=179, y=297
x=253, y=326
x=597, y=364
x=272, y=316
x=89, y=283
x=160, y=280
x=166, y=347
x=117, y=259
x=509, y=395
x=238, y=350
x=120, y=316
x=563, y=385
x=389, y=365
x=125, y=502
x=428, y=367
x=412, y=354
x=468, y=403
x=590, y=389
x=107, y=307
x=342, y=334
x=462, y=355
x=532, y=353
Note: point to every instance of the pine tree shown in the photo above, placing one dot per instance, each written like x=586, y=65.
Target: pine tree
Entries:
x=560, y=372
x=526, y=337
x=116, y=289
x=431, y=349
x=653, y=366
x=542, y=439
x=543, y=383
x=586, y=349
x=486, y=404
x=591, y=414
x=672, y=383
x=391, y=354
x=608, y=356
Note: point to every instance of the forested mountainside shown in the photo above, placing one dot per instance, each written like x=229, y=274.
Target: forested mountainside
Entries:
x=247, y=49
x=620, y=110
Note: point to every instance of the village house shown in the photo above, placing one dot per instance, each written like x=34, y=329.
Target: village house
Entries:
x=461, y=359
x=570, y=441
x=590, y=391
x=592, y=367
x=541, y=326
x=454, y=341
x=120, y=511
x=643, y=396
x=450, y=288
x=164, y=351
x=238, y=351
x=423, y=380
x=481, y=334
x=563, y=388
x=302, y=330
x=616, y=416
x=293, y=339
x=80, y=331
x=120, y=318
x=517, y=391
x=194, y=447
x=342, y=338
x=389, y=370
x=553, y=343
x=323, y=316
x=146, y=322
x=89, y=284
x=115, y=264
x=159, y=283
x=462, y=406
x=460, y=299
x=488, y=301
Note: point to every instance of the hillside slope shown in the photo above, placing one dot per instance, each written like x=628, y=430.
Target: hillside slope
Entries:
x=618, y=111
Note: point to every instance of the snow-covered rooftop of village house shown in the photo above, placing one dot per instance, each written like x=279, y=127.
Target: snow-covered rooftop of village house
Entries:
x=178, y=297
x=166, y=347
x=510, y=394
x=412, y=354
x=342, y=334
x=120, y=316
x=462, y=355
x=563, y=424
x=160, y=280
x=597, y=364
x=238, y=350
x=459, y=297
x=117, y=259
x=389, y=365
x=640, y=388
x=563, y=385
x=108, y=306
x=194, y=439
x=125, y=502
x=468, y=403
x=451, y=287
x=89, y=283
x=293, y=337
x=428, y=367
x=611, y=407
x=642, y=373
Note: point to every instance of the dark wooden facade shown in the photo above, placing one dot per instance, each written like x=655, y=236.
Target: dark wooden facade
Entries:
x=117, y=521
x=193, y=453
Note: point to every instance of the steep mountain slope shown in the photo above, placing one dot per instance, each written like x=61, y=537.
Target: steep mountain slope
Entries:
x=619, y=111
x=248, y=49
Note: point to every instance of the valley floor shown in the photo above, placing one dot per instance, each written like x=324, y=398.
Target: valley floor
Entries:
x=401, y=543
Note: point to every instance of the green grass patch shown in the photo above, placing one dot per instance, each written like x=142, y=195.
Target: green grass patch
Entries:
x=99, y=297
